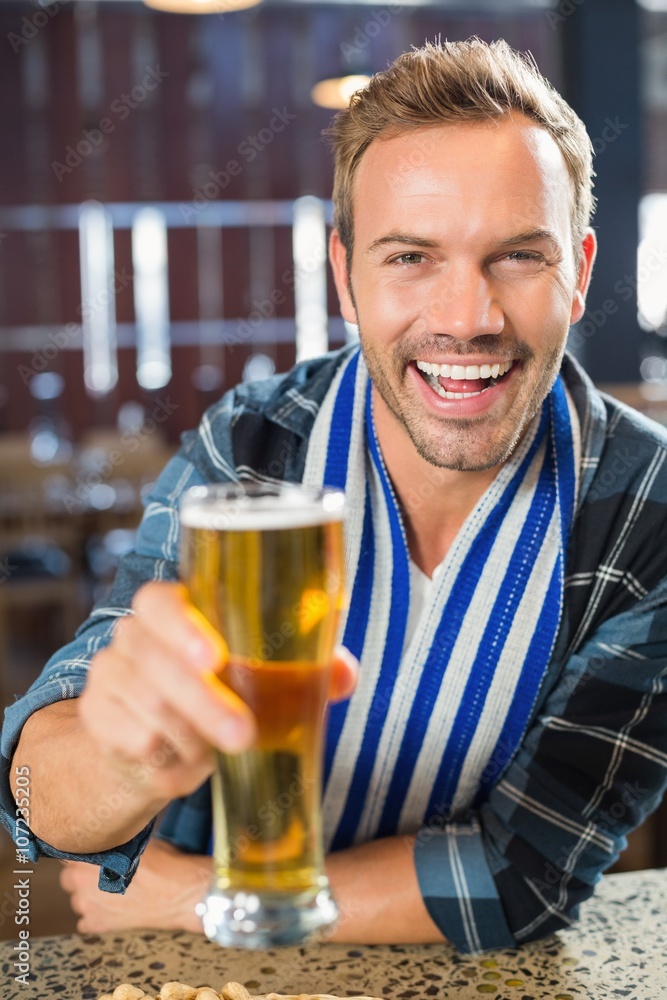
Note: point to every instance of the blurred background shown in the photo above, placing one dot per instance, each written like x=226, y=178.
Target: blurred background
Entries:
x=163, y=223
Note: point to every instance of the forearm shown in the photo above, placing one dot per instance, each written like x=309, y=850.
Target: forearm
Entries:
x=80, y=800
x=376, y=888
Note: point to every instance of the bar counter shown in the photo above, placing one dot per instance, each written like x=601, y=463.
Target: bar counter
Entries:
x=617, y=949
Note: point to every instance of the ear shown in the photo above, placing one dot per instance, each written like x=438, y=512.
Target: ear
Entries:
x=338, y=258
x=589, y=248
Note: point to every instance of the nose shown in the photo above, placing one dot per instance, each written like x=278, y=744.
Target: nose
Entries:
x=464, y=304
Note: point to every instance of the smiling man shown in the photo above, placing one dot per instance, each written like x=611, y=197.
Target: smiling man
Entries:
x=508, y=594
x=464, y=279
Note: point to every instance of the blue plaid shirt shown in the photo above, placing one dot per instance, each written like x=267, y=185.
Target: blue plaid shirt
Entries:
x=593, y=763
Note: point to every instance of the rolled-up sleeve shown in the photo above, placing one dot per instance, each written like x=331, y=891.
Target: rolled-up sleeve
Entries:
x=458, y=888
x=64, y=676
x=590, y=769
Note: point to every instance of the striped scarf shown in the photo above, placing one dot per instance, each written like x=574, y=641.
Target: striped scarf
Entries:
x=421, y=738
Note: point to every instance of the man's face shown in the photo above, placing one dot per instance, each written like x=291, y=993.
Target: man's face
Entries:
x=464, y=283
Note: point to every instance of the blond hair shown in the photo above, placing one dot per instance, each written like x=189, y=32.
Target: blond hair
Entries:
x=457, y=83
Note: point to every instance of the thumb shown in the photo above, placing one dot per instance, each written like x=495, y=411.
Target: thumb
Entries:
x=343, y=675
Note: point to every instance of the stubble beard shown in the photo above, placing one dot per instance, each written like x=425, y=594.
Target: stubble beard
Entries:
x=466, y=445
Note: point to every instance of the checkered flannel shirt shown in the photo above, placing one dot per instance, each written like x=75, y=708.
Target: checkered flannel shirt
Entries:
x=593, y=763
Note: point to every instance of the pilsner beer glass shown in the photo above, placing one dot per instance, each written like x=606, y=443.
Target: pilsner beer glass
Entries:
x=264, y=564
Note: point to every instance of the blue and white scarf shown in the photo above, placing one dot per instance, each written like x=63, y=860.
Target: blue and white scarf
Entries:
x=415, y=741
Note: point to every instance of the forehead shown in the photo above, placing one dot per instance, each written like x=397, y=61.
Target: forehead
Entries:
x=480, y=179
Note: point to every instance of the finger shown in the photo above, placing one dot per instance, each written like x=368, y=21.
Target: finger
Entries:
x=120, y=708
x=68, y=876
x=207, y=705
x=156, y=690
x=166, y=613
x=190, y=639
x=87, y=926
x=149, y=757
x=151, y=751
x=344, y=674
x=132, y=717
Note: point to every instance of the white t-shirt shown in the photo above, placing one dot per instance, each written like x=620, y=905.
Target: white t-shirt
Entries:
x=421, y=589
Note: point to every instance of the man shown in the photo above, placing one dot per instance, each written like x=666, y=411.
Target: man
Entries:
x=508, y=600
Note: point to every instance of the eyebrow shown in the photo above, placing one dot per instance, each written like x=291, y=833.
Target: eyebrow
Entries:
x=397, y=237
x=529, y=236
x=533, y=236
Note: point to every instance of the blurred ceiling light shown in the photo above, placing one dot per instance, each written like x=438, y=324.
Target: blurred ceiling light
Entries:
x=98, y=299
x=151, y=298
x=47, y=385
x=201, y=6
x=309, y=251
x=258, y=367
x=652, y=263
x=206, y=378
x=336, y=92
x=655, y=5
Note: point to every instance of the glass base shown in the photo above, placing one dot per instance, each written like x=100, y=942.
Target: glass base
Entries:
x=237, y=919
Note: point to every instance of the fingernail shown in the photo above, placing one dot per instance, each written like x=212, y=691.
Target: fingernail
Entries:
x=234, y=734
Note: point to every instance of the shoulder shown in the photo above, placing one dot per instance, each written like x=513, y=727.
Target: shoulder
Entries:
x=633, y=460
x=619, y=536
x=271, y=397
x=619, y=444
x=262, y=428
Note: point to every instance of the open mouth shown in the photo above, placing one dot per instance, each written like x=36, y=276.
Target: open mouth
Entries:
x=462, y=381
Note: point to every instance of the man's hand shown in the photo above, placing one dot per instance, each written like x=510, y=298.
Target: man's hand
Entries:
x=152, y=694
x=163, y=893
x=103, y=765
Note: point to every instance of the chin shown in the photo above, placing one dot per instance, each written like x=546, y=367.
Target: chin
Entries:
x=461, y=456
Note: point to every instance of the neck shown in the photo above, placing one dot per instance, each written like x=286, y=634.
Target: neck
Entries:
x=434, y=501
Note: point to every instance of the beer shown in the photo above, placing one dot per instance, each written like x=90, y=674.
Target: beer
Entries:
x=265, y=567
x=268, y=834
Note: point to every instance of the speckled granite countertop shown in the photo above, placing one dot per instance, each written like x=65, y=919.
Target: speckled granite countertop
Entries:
x=617, y=949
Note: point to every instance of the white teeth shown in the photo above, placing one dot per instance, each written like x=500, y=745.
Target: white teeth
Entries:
x=460, y=373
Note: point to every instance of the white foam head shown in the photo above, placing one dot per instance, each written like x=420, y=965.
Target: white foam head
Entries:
x=229, y=509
